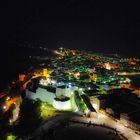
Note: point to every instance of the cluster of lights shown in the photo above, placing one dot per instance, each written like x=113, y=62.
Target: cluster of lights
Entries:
x=4, y=106
x=43, y=106
x=47, y=81
x=11, y=137
x=69, y=85
x=77, y=75
x=127, y=80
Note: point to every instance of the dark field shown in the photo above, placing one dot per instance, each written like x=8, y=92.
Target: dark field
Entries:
x=86, y=133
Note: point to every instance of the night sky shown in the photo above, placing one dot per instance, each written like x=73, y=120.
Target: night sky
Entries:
x=105, y=26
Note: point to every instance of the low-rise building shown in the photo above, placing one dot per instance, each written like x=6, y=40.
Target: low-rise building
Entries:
x=97, y=102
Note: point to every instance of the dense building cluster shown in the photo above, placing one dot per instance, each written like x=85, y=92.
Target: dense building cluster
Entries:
x=77, y=81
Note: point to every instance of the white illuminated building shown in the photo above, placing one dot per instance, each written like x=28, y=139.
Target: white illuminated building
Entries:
x=60, y=92
x=63, y=92
x=67, y=91
x=62, y=105
x=96, y=102
x=42, y=94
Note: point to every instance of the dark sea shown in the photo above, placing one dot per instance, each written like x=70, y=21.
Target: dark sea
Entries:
x=15, y=60
x=12, y=62
x=135, y=80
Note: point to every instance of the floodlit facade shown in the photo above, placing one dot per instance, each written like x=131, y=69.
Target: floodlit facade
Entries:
x=97, y=103
x=65, y=105
x=50, y=97
x=41, y=94
x=67, y=91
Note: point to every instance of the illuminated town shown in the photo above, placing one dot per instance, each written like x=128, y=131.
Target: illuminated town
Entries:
x=71, y=87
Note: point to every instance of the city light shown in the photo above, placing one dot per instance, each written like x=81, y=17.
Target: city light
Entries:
x=4, y=107
x=8, y=98
x=89, y=88
x=70, y=70
x=53, y=81
x=75, y=84
x=11, y=137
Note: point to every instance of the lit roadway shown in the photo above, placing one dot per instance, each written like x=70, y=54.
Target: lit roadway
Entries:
x=98, y=119
x=101, y=119
x=128, y=73
x=52, y=123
